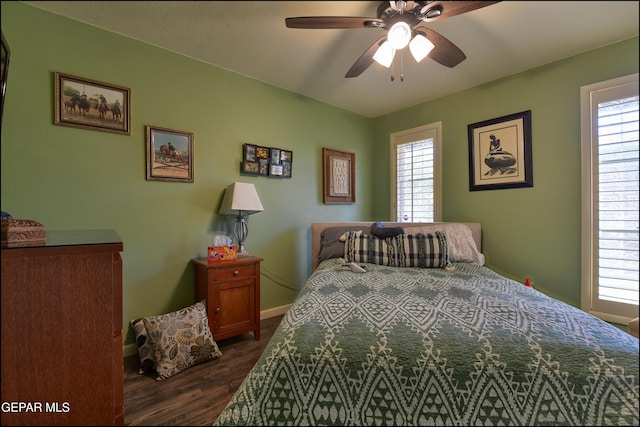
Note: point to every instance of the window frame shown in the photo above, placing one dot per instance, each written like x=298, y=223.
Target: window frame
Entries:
x=434, y=131
x=611, y=311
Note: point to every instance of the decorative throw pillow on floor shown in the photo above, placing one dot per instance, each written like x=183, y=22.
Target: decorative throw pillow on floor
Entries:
x=145, y=350
x=180, y=339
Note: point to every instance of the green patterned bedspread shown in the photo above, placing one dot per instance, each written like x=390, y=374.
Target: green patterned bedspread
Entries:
x=409, y=346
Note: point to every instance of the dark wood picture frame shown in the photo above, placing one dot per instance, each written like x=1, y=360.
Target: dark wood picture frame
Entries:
x=169, y=154
x=338, y=176
x=500, y=153
x=4, y=72
x=93, y=105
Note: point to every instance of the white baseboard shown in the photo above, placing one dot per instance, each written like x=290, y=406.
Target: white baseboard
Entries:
x=273, y=312
x=132, y=349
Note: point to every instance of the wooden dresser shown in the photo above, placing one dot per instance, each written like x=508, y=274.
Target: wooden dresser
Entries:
x=62, y=331
x=232, y=291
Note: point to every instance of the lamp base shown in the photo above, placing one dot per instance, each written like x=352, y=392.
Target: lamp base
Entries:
x=241, y=231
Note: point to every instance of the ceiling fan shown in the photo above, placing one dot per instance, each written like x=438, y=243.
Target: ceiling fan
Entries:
x=401, y=20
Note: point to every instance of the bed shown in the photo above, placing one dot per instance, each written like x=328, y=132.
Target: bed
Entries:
x=449, y=344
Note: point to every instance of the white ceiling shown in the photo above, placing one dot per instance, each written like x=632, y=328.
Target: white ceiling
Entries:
x=250, y=38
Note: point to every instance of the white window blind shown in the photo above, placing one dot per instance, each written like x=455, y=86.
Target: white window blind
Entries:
x=613, y=198
x=416, y=174
x=618, y=200
x=415, y=184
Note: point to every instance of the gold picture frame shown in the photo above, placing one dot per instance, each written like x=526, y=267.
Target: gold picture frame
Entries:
x=169, y=154
x=89, y=104
x=339, y=176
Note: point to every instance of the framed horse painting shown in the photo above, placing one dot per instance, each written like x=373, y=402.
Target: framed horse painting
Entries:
x=90, y=104
x=169, y=155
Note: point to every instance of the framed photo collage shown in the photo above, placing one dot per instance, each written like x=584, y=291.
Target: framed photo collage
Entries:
x=266, y=161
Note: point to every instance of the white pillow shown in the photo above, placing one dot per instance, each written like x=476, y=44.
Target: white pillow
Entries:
x=462, y=246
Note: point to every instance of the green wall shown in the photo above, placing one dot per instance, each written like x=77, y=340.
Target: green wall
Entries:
x=526, y=232
x=70, y=178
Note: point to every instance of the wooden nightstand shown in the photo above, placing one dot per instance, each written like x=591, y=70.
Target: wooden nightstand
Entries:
x=232, y=291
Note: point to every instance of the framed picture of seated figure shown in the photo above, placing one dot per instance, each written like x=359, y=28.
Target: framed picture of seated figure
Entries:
x=89, y=104
x=500, y=153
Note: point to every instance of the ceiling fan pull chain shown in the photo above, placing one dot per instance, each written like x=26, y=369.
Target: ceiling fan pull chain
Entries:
x=401, y=66
x=393, y=78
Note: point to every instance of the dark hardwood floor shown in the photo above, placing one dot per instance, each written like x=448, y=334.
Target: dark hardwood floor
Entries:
x=196, y=396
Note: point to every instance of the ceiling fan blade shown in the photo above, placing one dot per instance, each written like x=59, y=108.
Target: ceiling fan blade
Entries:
x=365, y=59
x=437, y=10
x=444, y=51
x=327, y=22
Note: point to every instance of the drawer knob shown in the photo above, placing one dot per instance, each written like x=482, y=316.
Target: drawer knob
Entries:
x=218, y=310
x=235, y=272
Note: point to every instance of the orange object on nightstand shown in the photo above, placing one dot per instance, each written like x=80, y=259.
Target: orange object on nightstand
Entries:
x=222, y=253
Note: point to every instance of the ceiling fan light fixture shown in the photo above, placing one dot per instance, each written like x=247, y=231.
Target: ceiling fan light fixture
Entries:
x=399, y=35
x=420, y=47
x=384, y=55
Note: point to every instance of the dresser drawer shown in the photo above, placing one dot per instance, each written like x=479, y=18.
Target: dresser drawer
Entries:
x=234, y=272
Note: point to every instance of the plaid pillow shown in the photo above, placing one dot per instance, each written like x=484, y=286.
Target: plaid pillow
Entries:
x=405, y=250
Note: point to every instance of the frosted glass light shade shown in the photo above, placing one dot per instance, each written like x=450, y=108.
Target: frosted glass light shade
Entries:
x=399, y=35
x=384, y=55
x=420, y=47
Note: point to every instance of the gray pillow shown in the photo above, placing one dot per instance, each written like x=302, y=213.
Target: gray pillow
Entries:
x=330, y=244
x=145, y=350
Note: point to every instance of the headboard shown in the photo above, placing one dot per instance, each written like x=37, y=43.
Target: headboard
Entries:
x=317, y=227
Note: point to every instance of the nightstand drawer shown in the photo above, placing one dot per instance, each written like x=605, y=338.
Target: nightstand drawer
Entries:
x=234, y=272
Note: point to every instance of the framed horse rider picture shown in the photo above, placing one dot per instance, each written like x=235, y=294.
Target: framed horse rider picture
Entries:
x=89, y=104
x=169, y=155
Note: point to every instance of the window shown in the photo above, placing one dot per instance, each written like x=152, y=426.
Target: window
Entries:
x=416, y=165
x=610, y=199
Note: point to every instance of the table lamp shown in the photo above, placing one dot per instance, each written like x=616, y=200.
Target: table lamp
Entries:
x=241, y=199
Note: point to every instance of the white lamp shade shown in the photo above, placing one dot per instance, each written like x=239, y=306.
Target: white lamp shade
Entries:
x=240, y=198
x=420, y=47
x=384, y=54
